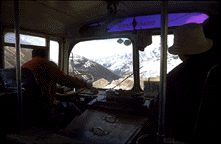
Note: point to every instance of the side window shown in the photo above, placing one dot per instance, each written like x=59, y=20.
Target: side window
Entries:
x=25, y=39
x=26, y=53
x=150, y=61
x=54, y=51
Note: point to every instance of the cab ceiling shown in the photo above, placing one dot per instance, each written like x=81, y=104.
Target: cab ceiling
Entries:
x=59, y=17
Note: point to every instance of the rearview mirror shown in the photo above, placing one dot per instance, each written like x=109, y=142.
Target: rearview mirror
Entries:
x=143, y=39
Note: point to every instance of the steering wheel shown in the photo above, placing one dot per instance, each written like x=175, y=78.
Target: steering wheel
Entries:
x=77, y=92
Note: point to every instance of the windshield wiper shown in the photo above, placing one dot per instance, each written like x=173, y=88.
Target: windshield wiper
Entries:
x=125, y=79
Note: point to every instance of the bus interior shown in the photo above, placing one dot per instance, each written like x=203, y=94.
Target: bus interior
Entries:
x=122, y=48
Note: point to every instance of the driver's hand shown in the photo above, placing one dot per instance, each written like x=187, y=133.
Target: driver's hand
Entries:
x=89, y=84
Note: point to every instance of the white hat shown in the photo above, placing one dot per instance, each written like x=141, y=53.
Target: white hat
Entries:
x=189, y=39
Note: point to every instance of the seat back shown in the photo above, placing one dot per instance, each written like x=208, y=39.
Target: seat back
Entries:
x=184, y=119
x=207, y=119
x=32, y=96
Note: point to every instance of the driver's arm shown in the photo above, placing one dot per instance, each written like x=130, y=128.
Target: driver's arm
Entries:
x=63, y=79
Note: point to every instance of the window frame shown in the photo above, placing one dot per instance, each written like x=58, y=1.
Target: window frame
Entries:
x=129, y=35
x=46, y=47
x=126, y=34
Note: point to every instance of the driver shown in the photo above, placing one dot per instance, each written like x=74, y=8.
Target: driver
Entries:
x=48, y=75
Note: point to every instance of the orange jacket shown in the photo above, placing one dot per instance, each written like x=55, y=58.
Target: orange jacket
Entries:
x=48, y=74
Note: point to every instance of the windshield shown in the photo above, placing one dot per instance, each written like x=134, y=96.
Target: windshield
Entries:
x=106, y=60
x=110, y=61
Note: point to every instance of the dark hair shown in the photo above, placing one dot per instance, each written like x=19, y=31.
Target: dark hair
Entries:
x=39, y=52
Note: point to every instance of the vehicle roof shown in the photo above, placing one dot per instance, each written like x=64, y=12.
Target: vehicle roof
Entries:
x=59, y=18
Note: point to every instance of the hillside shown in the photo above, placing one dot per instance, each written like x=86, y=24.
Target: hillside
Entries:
x=10, y=56
x=83, y=65
x=121, y=65
x=10, y=52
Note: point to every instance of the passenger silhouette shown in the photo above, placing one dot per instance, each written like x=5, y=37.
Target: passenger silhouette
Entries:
x=197, y=48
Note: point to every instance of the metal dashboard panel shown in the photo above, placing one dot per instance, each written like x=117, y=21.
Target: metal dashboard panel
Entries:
x=95, y=126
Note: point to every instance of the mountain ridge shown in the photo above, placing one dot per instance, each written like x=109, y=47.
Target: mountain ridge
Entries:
x=149, y=61
x=80, y=64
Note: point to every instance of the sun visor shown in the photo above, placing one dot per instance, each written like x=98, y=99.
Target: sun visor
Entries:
x=154, y=21
x=144, y=39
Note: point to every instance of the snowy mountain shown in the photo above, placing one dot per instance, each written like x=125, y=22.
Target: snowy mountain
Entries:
x=150, y=60
x=122, y=65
